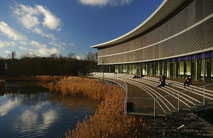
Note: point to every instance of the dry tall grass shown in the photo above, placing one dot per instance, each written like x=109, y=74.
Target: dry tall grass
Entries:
x=109, y=119
x=81, y=87
x=44, y=78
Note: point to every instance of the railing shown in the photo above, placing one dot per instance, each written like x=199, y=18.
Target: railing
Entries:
x=161, y=105
x=145, y=106
x=179, y=96
x=123, y=85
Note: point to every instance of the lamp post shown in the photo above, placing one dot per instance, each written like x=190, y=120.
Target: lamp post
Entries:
x=103, y=68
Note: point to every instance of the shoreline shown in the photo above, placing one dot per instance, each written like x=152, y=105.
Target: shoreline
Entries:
x=32, y=78
x=109, y=119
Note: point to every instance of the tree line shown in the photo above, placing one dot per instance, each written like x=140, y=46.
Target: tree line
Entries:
x=32, y=66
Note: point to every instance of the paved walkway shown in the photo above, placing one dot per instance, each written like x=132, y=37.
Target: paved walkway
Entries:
x=144, y=98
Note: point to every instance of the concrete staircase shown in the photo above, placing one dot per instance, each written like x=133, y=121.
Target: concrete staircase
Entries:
x=162, y=101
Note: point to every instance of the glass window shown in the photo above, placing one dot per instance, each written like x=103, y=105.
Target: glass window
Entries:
x=188, y=68
x=181, y=66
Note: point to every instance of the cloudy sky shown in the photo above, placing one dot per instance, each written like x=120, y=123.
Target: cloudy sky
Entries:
x=45, y=27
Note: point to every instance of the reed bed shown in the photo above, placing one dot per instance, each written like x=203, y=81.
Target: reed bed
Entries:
x=76, y=86
x=109, y=119
x=44, y=78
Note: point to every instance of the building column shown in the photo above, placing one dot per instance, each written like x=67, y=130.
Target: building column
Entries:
x=184, y=69
x=204, y=69
x=161, y=67
x=165, y=67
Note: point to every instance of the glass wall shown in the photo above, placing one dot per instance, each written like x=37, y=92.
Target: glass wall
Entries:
x=158, y=68
x=188, y=68
x=168, y=69
x=203, y=69
x=181, y=69
x=144, y=68
x=134, y=69
x=199, y=67
x=116, y=68
x=208, y=70
x=150, y=68
x=124, y=68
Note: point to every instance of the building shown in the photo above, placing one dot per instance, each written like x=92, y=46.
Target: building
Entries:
x=176, y=40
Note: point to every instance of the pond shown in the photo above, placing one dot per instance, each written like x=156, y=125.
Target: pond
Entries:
x=29, y=110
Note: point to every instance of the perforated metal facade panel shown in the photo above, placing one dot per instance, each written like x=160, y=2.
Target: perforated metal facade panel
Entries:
x=183, y=33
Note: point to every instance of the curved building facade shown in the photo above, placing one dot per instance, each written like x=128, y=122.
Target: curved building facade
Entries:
x=176, y=40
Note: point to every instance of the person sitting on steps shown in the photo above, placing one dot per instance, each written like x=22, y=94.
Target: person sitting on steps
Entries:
x=136, y=76
x=187, y=81
x=162, y=81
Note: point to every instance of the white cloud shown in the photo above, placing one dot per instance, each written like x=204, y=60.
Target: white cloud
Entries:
x=78, y=57
x=29, y=119
x=94, y=2
x=36, y=117
x=30, y=17
x=6, y=107
x=29, y=21
x=50, y=20
x=6, y=51
x=6, y=44
x=57, y=44
x=22, y=48
x=30, y=55
x=43, y=50
x=23, y=42
x=39, y=50
x=39, y=106
x=37, y=44
x=105, y=2
x=49, y=117
x=27, y=16
x=46, y=51
x=39, y=31
x=10, y=32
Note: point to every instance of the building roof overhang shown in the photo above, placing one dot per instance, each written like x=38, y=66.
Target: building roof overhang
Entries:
x=166, y=8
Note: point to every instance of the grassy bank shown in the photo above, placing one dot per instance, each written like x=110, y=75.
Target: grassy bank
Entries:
x=109, y=119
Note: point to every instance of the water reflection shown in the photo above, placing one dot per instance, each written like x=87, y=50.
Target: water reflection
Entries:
x=37, y=122
x=27, y=110
x=74, y=103
x=7, y=106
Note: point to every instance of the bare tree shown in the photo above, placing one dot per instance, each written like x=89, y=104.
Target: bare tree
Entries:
x=13, y=54
x=91, y=56
x=71, y=55
x=53, y=55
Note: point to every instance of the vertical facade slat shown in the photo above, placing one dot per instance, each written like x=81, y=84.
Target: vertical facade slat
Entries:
x=197, y=38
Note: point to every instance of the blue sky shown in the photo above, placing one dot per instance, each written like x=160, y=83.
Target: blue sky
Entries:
x=45, y=27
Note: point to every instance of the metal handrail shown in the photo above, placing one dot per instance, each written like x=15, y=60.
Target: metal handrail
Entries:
x=125, y=87
x=203, y=87
x=175, y=94
x=184, y=91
